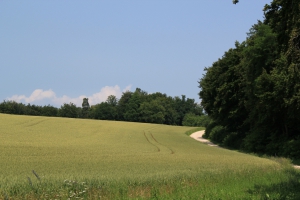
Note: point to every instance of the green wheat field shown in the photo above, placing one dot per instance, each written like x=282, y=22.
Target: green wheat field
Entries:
x=61, y=158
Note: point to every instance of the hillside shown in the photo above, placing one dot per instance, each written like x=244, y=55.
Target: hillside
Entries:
x=110, y=152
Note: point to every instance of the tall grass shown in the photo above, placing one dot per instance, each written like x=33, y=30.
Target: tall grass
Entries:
x=58, y=158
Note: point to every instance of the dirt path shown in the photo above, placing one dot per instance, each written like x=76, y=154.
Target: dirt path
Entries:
x=198, y=136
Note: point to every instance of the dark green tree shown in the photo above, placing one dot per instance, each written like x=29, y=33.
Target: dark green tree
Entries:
x=104, y=111
x=49, y=111
x=68, y=110
x=223, y=93
x=12, y=107
x=252, y=92
x=190, y=119
x=132, y=108
x=152, y=112
x=112, y=100
x=122, y=104
x=85, y=108
x=171, y=115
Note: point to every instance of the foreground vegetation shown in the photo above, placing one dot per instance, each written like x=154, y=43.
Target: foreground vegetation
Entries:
x=61, y=158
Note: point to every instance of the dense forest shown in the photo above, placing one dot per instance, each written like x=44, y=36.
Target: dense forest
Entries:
x=138, y=106
x=252, y=93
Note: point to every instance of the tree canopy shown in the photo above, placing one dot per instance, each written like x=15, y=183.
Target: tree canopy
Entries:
x=252, y=93
x=137, y=106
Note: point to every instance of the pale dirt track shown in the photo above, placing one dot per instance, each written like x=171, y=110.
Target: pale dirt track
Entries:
x=198, y=136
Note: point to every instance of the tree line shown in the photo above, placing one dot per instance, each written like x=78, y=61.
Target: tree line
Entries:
x=252, y=93
x=137, y=106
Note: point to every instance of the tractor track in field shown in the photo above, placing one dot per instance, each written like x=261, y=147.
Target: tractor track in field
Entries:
x=34, y=121
x=158, y=149
x=153, y=141
x=172, y=152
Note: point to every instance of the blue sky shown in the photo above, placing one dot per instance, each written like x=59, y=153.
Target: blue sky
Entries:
x=55, y=52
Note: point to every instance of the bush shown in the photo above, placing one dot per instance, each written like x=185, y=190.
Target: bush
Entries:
x=217, y=134
x=232, y=140
x=291, y=148
x=191, y=119
x=208, y=128
x=69, y=110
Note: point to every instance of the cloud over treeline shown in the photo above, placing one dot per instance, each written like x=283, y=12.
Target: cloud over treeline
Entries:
x=49, y=96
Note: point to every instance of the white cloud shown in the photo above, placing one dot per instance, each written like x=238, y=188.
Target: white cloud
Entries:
x=127, y=88
x=50, y=97
x=36, y=95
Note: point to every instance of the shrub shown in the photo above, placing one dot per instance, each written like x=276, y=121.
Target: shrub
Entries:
x=232, y=140
x=217, y=134
x=291, y=148
x=208, y=128
x=190, y=119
